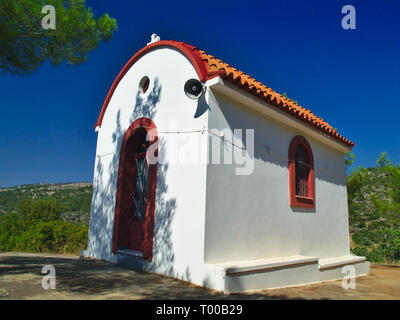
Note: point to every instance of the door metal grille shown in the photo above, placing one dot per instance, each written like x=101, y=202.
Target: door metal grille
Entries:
x=140, y=195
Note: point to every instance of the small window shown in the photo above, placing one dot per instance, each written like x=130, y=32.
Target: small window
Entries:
x=144, y=84
x=301, y=174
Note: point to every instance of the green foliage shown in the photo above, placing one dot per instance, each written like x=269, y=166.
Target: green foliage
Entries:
x=360, y=251
x=25, y=44
x=31, y=211
x=388, y=209
x=383, y=162
x=36, y=226
x=376, y=255
x=390, y=245
x=374, y=211
x=358, y=178
x=349, y=159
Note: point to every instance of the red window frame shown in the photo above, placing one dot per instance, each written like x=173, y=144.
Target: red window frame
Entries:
x=298, y=201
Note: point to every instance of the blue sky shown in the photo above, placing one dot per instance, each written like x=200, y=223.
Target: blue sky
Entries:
x=350, y=78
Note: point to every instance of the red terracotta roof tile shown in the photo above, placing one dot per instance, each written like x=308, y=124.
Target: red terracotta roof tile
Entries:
x=217, y=67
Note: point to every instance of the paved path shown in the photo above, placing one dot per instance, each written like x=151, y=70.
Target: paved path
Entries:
x=21, y=278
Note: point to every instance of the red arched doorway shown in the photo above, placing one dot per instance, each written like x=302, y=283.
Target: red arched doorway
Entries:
x=136, y=189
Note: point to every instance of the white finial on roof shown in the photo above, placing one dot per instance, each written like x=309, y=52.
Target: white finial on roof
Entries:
x=154, y=38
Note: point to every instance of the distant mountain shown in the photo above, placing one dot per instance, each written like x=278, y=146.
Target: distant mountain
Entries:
x=74, y=197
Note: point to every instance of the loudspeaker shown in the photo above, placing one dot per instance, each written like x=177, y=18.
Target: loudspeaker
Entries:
x=193, y=89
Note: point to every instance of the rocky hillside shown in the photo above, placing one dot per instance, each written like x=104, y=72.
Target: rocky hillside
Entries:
x=75, y=198
x=374, y=211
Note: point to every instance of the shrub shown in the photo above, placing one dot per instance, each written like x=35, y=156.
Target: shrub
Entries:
x=375, y=255
x=37, y=227
x=360, y=251
x=390, y=245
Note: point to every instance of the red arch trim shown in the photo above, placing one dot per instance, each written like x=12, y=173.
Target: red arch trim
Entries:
x=151, y=129
x=295, y=200
x=191, y=52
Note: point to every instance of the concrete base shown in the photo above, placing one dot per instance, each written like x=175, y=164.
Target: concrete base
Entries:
x=332, y=269
x=255, y=275
x=283, y=272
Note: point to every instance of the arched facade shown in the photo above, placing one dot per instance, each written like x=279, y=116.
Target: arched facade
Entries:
x=190, y=52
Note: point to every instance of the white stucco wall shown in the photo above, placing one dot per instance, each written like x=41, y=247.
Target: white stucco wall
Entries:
x=248, y=217
x=180, y=201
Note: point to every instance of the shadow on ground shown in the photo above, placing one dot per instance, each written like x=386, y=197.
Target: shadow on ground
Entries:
x=21, y=277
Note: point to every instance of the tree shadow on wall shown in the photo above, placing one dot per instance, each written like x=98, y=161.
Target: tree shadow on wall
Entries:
x=106, y=177
x=146, y=105
x=105, y=188
x=163, y=254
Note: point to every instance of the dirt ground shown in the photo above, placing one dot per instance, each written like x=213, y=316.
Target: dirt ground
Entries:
x=21, y=278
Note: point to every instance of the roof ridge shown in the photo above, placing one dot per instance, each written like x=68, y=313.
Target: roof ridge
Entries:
x=255, y=87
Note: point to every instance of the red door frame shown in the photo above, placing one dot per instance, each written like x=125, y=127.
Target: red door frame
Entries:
x=152, y=135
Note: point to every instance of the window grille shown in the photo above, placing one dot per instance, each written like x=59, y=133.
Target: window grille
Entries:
x=302, y=171
x=140, y=195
